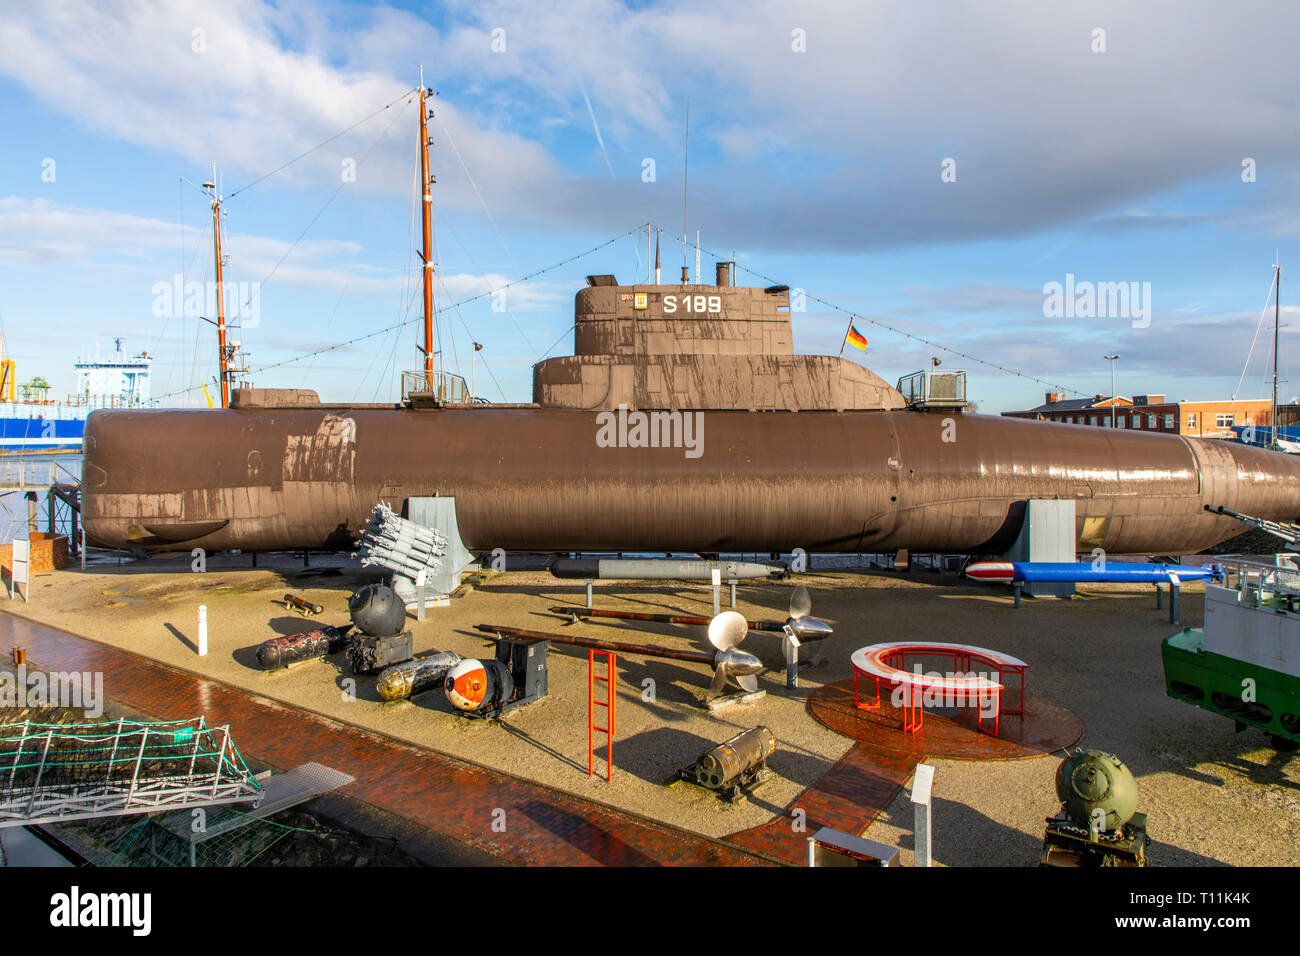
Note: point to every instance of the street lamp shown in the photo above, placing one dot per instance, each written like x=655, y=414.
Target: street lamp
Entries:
x=1111, y=359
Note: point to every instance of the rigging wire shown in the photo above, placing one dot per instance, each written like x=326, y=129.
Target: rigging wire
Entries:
x=482, y=275
x=487, y=367
x=474, y=185
x=1251, y=354
x=466, y=301
x=334, y=195
x=326, y=142
x=897, y=331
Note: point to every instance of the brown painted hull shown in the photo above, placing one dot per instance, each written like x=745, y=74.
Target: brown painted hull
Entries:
x=534, y=479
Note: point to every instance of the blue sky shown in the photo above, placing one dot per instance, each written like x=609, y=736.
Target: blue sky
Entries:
x=818, y=137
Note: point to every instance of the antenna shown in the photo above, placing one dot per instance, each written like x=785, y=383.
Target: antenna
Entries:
x=686, y=170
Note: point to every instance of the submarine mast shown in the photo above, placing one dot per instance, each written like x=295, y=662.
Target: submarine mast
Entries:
x=426, y=216
x=223, y=353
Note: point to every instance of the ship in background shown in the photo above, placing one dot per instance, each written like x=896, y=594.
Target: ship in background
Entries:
x=33, y=422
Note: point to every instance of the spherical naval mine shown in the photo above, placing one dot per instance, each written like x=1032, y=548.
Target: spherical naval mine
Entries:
x=377, y=611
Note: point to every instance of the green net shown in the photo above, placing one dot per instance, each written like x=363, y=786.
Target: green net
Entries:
x=244, y=841
x=116, y=753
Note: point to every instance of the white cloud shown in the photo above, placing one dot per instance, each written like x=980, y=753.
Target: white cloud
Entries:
x=838, y=147
x=41, y=233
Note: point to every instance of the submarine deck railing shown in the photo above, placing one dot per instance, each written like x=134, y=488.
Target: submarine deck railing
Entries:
x=37, y=471
x=54, y=474
x=54, y=772
x=1253, y=577
x=435, y=388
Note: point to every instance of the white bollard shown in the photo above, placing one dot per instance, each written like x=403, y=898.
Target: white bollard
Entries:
x=203, y=630
x=921, y=813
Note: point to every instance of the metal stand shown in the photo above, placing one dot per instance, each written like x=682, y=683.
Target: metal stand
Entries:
x=1175, y=589
x=589, y=592
x=1019, y=586
x=791, y=647
x=921, y=813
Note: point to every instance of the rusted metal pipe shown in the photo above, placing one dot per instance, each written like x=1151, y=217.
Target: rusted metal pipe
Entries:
x=575, y=611
x=647, y=650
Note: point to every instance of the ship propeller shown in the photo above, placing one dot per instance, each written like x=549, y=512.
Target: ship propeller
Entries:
x=805, y=626
x=726, y=631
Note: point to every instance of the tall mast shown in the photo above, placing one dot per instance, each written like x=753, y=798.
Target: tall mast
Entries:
x=1277, y=308
x=426, y=185
x=686, y=168
x=223, y=353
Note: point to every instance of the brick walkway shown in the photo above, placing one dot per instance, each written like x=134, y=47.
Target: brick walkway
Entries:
x=448, y=796
x=545, y=826
x=848, y=797
x=854, y=792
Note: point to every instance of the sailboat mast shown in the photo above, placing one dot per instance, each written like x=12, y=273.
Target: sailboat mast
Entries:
x=223, y=353
x=1277, y=308
x=426, y=184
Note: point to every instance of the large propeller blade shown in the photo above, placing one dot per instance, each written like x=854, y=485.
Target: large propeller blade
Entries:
x=805, y=627
x=800, y=603
x=726, y=631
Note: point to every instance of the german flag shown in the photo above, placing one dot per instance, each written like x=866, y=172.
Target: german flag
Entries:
x=856, y=338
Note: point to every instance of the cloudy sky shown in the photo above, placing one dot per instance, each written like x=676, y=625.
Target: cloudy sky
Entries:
x=929, y=166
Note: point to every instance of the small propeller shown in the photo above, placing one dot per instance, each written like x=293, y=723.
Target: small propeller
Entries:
x=806, y=627
x=726, y=631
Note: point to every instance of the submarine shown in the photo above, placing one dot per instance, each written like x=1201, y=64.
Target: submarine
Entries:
x=682, y=422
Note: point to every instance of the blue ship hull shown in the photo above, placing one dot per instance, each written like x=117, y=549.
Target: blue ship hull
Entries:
x=41, y=434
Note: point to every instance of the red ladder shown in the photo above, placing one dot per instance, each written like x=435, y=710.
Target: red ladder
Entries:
x=611, y=665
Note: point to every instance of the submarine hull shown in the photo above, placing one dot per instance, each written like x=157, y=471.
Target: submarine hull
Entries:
x=544, y=479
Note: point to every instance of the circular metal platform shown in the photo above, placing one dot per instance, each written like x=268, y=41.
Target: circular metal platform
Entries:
x=1044, y=727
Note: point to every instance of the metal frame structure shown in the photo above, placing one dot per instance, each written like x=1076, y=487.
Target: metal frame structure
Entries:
x=609, y=704
x=54, y=772
x=884, y=663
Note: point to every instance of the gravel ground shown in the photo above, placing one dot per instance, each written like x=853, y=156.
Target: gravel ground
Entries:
x=1212, y=796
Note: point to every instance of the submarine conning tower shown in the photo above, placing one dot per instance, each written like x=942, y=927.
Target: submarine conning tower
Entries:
x=693, y=346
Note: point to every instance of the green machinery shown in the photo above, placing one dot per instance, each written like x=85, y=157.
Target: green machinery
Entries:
x=1098, y=823
x=1245, y=662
